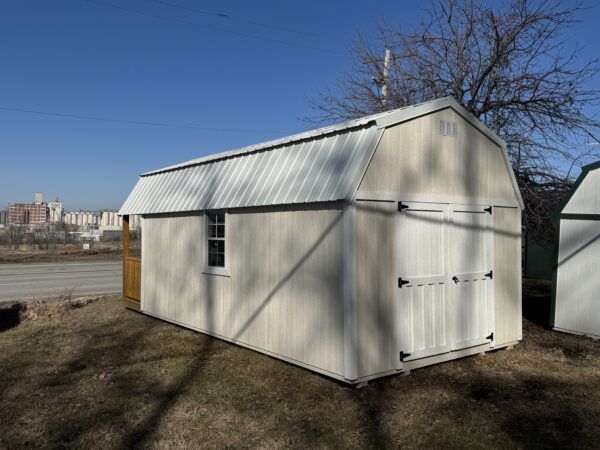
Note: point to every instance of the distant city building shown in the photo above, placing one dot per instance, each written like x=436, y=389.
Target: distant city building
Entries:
x=81, y=219
x=39, y=213
x=26, y=213
x=55, y=211
x=109, y=220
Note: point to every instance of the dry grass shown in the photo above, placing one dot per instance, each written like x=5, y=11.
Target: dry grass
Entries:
x=86, y=373
x=61, y=254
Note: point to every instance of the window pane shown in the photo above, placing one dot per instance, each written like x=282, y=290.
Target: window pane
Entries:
x=221, y=218
x=212, y=259
x=220, y=260
x=221, y=246
x=212, y=231
x=213, y=246
x=212, y=218
x=220, y=231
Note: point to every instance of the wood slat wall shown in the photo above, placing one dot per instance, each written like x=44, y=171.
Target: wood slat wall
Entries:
x=285, y=292
x=577, y=308
x=507, y=274
x=132, y=274
x=413, y=158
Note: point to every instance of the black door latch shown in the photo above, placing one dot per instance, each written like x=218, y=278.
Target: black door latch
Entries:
x=490, y=275
x=402, y=207
x=402, y=282
x=403, y=355
x=455, y=279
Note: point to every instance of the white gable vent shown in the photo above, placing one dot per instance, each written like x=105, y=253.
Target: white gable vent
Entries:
x=448, y=128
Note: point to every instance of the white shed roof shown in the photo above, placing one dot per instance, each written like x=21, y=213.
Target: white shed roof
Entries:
x=326, y=164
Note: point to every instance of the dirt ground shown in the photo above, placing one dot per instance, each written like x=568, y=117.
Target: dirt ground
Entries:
x=61, y=254
x=87, y=373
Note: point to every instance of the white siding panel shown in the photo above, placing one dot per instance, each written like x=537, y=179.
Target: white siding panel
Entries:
x=577, y=302
x=376, y=287
x=412, y=158
x=507, y=275
x=284, y=294
x=586, y=199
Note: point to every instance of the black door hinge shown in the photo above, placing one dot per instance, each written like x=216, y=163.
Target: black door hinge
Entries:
x=402, y=207
x=490, y=337
x=490, y=275
x=488, y=209
x=402, y=282
x=403, y=355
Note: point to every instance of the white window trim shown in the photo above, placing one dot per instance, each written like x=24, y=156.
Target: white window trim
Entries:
x=222, y=271
x=213, y=270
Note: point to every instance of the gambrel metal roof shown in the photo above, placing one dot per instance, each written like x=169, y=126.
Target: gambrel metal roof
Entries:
x=321, y=165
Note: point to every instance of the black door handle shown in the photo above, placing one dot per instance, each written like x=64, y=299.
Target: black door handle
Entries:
x=455, y=279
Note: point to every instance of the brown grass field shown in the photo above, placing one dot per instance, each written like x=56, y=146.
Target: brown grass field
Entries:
x=87, y=373
x=63, y=254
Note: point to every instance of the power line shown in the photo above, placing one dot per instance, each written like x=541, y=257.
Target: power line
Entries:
x=137, y=122
x=210, y=27
x=238, y=19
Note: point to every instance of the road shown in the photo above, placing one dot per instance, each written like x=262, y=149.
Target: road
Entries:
x=27, y=281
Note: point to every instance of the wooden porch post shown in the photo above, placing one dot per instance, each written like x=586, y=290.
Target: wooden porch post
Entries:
x=125, y=243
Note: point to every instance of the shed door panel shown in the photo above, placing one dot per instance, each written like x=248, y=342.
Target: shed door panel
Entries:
x=470, y=266
x=422, y=312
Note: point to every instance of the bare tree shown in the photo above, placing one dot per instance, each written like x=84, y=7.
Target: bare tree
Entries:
x=15, y=235
x=508, y=63
x=44, y=237
x=48, y=236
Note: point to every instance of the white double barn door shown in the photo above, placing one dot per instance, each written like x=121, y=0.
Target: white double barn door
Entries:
x=445, y=294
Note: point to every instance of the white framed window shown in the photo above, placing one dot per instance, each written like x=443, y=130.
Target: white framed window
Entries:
x=216, y=243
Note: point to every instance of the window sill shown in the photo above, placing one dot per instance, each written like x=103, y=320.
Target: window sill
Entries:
x=221, y=271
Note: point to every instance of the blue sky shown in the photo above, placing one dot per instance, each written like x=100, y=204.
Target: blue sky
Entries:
x=146, y=62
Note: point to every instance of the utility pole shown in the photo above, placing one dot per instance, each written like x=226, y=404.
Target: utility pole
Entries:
x=384, y=87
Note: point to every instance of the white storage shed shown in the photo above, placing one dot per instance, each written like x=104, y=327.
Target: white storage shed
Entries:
x=358, y=250
x=576, y=284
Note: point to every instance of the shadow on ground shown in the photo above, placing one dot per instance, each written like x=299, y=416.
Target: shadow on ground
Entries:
x=99, y=376
x=537, y=301
x=10, y=316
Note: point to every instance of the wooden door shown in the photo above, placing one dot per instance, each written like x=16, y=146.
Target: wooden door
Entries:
x=471, y=270
x=421, y=264
x=132, y=278
x=132, y=271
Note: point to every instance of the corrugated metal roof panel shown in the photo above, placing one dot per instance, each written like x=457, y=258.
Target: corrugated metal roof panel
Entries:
x=319, y=165
x=321, y=168
x=407, y=111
